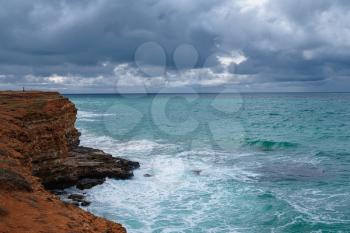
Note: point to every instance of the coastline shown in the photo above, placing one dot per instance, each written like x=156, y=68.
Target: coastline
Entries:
x=39, y=150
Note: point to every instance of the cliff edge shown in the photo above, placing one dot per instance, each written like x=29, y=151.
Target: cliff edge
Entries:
x=39, y=150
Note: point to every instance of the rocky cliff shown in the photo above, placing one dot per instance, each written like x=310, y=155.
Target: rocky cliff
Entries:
x=39, y=149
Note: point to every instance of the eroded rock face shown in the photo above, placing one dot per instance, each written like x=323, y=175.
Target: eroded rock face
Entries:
x=38, y=139
x=46, y=137
x=86, y=167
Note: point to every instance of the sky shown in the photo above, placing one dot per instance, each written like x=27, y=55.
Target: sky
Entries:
x=118, y=46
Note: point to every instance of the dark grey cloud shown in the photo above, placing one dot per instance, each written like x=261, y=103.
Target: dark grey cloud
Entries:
x=59, y=44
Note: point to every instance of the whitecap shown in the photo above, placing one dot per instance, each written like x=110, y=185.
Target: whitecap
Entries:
x=90, y=116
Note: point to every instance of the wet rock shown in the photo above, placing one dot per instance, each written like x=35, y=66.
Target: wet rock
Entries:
x=147, y=175
x=76, y=197
x=89, y=183
x=85, y=203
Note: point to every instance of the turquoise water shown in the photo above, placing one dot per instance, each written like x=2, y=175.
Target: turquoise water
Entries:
x=223, y=163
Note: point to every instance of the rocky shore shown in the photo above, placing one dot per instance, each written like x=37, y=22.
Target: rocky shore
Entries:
x=39, y=150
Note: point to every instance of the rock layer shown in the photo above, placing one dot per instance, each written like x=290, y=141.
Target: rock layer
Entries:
x=83, y=163
x=39, y=145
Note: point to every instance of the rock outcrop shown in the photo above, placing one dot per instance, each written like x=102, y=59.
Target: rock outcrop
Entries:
x=83, y=166
x=39, y=149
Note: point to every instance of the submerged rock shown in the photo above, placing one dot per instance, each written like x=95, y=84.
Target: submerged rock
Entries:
x=197, y=172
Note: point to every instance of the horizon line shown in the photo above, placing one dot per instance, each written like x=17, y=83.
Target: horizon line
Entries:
x=191, y=93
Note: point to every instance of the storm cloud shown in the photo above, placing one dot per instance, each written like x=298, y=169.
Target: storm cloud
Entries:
x=101, y=46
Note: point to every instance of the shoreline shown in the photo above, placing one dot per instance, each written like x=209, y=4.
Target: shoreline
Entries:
x=39, y=151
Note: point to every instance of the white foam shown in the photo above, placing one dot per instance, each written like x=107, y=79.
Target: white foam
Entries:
x=170, y=167
x=120, y=148
x=318, y=205
x=174, y=188
x=90, y=116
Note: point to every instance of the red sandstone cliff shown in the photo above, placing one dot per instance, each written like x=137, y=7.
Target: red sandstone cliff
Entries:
x=38, y=139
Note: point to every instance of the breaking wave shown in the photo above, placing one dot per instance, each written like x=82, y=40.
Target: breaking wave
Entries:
x=268, y=145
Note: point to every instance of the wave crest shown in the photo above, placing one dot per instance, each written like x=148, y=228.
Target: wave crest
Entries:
x=268, y=145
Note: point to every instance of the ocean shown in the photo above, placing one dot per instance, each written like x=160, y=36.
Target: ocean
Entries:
x=223, y=162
